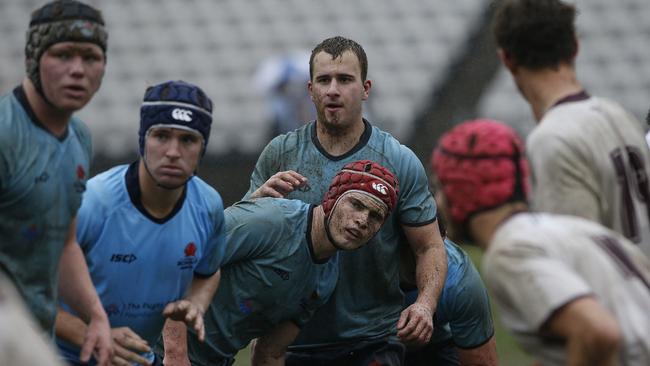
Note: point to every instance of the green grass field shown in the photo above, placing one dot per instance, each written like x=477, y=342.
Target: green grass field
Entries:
x=509, y=353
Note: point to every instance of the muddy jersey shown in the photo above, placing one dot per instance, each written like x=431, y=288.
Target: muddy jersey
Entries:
x=367, y=302
x=42, y=179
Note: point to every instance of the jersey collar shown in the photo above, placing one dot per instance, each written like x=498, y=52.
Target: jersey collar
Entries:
x=132, y=181
x=363, y=141
x=19, y=93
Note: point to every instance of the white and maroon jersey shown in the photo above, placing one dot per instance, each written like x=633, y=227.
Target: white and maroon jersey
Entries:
x=589, y=158
x=538, y=262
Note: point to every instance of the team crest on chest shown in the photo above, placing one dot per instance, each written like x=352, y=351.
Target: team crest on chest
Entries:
x=80, y=183
x=188, y=261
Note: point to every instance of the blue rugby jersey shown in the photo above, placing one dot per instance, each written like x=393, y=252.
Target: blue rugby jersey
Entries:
x=42, y=179
x=463, y=313
x=367, y=302
x=270, y=276
x=139, y=263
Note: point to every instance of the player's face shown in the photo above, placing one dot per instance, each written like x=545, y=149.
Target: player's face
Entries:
x=172, y=155
x=71, y=73
x=337, y=90
x=355, y=220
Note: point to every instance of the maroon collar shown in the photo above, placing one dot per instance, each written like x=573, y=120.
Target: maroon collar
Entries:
x=576, y=97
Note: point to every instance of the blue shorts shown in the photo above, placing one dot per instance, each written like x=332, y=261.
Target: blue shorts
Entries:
x=365, y=353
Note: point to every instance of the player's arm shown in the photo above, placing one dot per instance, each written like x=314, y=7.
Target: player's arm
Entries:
x=592, y=334
x=280, y=185
x=126, y=343
x=269, y=349
x=190, y=310
x=76, y=289
x=416, y=321
x=483, y=355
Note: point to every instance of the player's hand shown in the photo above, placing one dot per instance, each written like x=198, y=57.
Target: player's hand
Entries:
x=187, y=312
x=280, y=185
x=97, y=341
x=415, y=325
x=128, y=347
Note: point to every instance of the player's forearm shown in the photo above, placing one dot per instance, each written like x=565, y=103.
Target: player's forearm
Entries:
x=175, y=339
x=591, y=351
x=430, y=263
x=202, y=290
x=269, y=350
x=430, y=274
x=75, y=286
x=70, y=328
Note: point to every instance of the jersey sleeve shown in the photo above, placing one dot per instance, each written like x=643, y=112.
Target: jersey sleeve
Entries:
x=562, y=181
x=416, y=205
x=216, y=244
x=528, y=284
x=248, y=232
x=90, y=216
x=469, y=314
x=267, y=164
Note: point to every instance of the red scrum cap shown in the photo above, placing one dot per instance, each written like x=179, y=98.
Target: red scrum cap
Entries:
x=365, y=177
x=480, y=165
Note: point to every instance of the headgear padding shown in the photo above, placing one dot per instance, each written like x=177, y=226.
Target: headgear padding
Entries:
x=61, y=21
x=480, y=165
x=176, y=104
x=365, y=177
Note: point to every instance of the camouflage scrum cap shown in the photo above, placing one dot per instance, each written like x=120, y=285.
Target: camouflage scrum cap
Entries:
x=61, y=21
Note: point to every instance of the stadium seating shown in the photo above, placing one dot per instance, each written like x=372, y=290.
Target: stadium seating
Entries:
x=219, y=43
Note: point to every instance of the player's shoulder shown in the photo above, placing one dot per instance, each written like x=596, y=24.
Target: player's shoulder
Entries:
x=265, y=211
x=292, y=140
x=14, y=120
x=78, y=127
x=199, y=191
x=106, y=190
x=392, y=153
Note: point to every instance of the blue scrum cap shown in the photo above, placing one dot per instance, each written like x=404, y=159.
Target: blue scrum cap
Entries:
x=175, y=104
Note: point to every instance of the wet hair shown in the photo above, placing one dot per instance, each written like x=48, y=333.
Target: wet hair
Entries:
x=336, y=46
x=536, y=34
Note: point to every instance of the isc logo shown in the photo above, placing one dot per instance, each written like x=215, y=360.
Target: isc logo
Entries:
x=182, y=115
x=379, y=187
x=123, y=258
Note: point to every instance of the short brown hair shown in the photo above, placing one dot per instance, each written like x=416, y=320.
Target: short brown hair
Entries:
x=536, y=34
x=335, y=46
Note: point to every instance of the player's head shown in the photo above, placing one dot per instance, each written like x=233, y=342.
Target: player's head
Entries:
x=336, y=46
x=175, y=104
x=479, y=165
x=536, y=34
x=359, y=187
x=61, y=21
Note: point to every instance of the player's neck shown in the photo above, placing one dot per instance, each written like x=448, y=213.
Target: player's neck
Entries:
x=543, y=88
x=322, y=246
x=483, y=225
x=339, y=141
x=159, y=202
x=53, y=119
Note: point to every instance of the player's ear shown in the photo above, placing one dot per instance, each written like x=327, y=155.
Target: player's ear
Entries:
x=506, y=59
x=367, y=84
